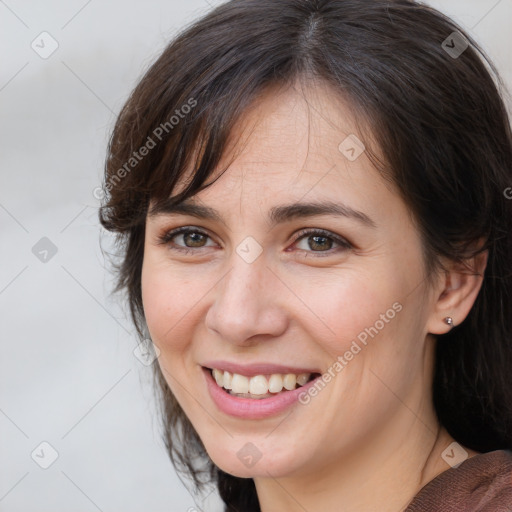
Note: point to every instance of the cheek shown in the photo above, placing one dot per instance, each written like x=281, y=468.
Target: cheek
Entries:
x=367, y=319
x=366, y=322
x=169, y=304
x=171, y=309
x=349, y=306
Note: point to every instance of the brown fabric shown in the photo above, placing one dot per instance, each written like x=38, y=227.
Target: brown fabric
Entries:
x=482, y=483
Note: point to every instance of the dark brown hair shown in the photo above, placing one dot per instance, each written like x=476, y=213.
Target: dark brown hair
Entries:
x=438, y=119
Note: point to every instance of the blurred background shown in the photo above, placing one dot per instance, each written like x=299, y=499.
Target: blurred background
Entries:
x=79, y=428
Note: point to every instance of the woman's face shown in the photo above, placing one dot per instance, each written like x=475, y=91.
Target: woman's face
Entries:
x=300, y=259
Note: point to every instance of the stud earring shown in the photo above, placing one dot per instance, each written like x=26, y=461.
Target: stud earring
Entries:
x=449, y=321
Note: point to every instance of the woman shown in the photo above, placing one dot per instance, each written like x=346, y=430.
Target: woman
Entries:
x=310, y=198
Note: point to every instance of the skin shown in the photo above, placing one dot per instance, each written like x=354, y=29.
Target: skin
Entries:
x=370, y=440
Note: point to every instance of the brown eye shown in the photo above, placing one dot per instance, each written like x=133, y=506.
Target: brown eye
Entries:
x=194, y=239
x=320, y=241
x=186, y=238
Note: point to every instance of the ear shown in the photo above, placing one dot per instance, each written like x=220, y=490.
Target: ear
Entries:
x=456, y=293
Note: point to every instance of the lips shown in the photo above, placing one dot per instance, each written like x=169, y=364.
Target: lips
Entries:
x=249, y=370
x=260, y=405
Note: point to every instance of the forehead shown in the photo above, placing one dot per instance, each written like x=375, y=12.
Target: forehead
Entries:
x=288, y=150
x=296, y=138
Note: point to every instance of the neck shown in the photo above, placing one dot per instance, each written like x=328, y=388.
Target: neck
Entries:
x=382, y=475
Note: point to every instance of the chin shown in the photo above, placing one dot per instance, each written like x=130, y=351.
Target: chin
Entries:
x=246, y=460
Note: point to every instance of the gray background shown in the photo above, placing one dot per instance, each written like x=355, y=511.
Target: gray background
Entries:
x=68, y=375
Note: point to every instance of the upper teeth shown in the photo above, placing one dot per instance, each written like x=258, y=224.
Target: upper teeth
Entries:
x=259, y=384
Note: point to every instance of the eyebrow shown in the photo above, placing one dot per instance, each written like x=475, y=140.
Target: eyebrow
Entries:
x=277, y=215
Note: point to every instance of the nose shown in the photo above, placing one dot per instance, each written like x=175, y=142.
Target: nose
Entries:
x=247, y=306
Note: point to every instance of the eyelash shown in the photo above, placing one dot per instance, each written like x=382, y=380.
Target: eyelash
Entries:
x=167, y=238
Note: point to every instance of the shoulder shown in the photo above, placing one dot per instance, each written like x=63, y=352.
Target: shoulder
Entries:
x=482, y=483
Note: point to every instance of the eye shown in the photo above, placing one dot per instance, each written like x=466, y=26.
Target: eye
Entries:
x=186, y=239
x=320, y=241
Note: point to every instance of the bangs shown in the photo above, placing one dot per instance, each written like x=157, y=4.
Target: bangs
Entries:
x=178, y=120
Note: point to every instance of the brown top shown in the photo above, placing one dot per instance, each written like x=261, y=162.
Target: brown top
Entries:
x=482, y=483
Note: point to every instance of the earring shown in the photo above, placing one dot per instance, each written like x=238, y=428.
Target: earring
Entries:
x=449, y=321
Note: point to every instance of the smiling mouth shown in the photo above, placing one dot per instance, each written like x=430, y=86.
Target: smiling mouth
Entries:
x=259, y=386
